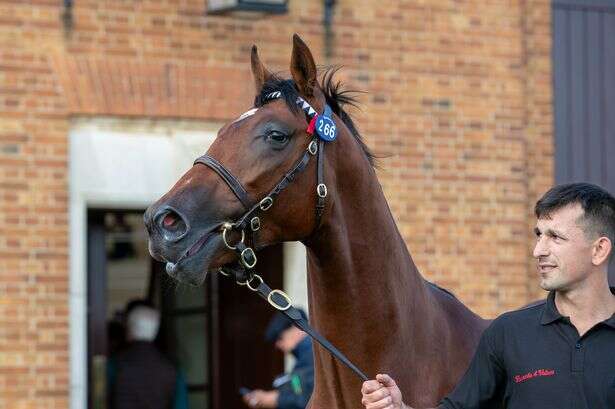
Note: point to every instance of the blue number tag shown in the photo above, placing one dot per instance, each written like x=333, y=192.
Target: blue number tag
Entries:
x=325, y=127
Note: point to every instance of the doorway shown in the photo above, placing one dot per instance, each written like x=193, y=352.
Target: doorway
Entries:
x=213, y=334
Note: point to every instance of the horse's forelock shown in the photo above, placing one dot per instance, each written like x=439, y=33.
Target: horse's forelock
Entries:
x=288, y=92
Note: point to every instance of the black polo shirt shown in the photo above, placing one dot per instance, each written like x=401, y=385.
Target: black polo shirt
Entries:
x=533, y=358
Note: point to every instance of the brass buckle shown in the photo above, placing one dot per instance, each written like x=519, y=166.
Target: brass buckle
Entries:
x=321, y=190
x=266, y=203
x=228, y=226
x=313, y=148
x=259, y=284
x=250, y=253
x=255, y=223
x=283, y=295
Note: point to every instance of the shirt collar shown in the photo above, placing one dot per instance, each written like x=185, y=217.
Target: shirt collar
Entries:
x=550, y=313
x=611, y=321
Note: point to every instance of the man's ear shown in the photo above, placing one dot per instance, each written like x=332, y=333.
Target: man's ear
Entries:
x=601, y=250
x=259, y=72
x=302, y=67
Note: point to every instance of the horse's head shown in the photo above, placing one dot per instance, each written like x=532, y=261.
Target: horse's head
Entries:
x=239, y=187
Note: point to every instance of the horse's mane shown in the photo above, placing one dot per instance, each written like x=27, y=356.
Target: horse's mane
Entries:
x=335, y=94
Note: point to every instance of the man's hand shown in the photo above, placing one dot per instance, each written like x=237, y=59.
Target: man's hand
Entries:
x=382, y=393
x=261, y=399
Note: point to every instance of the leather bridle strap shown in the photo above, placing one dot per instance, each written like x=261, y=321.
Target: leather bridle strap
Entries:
x=321, y=188
x=251, y=218
x=228, y=177
x=267, y=201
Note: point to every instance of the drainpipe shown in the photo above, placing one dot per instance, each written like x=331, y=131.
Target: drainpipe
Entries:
x=327, y=22
x=67, y=17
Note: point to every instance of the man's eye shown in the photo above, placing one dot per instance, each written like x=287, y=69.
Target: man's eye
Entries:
x=276, y=137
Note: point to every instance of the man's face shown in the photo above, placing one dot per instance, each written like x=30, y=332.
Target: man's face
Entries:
x=288, y=340
x=563, y=252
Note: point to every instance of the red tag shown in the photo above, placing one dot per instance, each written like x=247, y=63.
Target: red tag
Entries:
x=312, y=125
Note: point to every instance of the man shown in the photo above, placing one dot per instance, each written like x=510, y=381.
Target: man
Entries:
x=559, y=353
x=292, y=390
x=140, y=376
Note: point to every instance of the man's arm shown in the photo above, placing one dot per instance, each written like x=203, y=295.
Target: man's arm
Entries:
x=296, y=393
x=292, y=400
x=482, y=386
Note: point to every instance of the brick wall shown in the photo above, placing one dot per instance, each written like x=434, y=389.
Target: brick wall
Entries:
x=33, y=213
x=458, y=105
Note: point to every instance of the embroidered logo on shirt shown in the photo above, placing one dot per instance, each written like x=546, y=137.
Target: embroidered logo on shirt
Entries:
x=535, y=374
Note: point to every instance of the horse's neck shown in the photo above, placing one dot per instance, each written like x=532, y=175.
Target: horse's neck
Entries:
x=361, y=276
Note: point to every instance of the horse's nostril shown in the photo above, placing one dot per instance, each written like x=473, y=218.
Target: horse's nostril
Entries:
x=171, y=224
x=170, y=220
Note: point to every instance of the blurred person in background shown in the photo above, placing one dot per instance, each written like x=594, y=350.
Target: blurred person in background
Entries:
x=294, y=389
x=140, y=376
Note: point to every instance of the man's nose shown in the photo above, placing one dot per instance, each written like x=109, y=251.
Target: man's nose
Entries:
x=540, y=249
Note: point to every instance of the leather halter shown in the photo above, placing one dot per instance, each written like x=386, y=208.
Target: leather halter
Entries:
x=253, y=211
x=250, y=222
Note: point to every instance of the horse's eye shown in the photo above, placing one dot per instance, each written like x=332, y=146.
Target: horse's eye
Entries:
x=277, y=138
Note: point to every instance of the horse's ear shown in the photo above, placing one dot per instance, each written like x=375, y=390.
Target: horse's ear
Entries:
x=302, y=67
x=260, y=73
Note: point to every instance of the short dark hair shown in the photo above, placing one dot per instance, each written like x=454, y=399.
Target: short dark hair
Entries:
x=598, y=206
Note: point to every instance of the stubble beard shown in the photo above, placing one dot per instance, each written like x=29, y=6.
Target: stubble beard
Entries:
x=551, y=280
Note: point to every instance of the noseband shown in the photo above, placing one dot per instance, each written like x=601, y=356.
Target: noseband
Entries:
x=250, y=222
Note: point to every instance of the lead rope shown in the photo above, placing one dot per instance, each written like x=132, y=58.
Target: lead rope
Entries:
x=279, y=300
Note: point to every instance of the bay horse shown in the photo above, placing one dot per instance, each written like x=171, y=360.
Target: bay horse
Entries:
x=365, y=293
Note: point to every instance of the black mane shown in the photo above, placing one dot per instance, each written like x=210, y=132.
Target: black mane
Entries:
x=334, y=92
